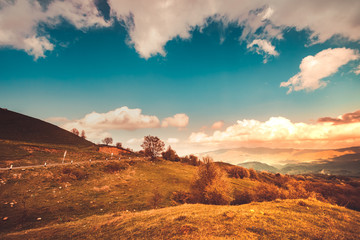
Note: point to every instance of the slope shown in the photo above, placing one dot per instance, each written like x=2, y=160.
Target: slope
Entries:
x=280, y=219
x=18, y=127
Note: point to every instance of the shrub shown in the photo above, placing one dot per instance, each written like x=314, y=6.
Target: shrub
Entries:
x=113, y=166
x=73, y=173
x=243, y=197
x=210, y=185
x=237, y=172
x=253, y=174
x=170, y=155
x=266, y=192
x=180, y=197
x=191, y=160
x=155, y=199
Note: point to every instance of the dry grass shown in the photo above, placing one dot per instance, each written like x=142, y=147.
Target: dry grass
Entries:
x=280, y=219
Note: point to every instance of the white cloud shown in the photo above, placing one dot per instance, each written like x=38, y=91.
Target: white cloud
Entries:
x=217, y=125
x=172, y=140
x=19, y=22
x=263, y=47
x=120, y=118
x=151, y=26
x=280, y=132
x=313, y=69
x=357, y=70
x=96, y=124
x=179, y=120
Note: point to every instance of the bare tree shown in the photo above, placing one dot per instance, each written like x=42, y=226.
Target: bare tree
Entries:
x=83, y=134
x=75, y=131
x=152, y=146
x=107, y=140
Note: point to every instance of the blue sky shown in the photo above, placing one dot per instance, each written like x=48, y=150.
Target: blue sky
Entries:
x=201, y=65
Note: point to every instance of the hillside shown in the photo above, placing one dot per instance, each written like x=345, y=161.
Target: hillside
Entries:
x=280, y=219
x=258, y=166
x=71, y=193
x=18, y=127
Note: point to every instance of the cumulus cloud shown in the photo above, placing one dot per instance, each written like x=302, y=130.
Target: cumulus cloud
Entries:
x=217, y=125
x=313, y=69
x=96, y=124
x=179, y=120
x=151, y=26
x=280, y=132
x=263, y=47
x=342, y=119
x=20, y=22
x=120, y=118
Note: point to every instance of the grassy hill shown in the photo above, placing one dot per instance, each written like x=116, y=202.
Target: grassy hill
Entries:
x=72, y=193
x=18, y=127
x=29, y=141
x=281, y=219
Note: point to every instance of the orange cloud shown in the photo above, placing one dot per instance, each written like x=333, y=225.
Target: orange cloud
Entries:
x=280, y=132
x=343, y=119
x=218, y=125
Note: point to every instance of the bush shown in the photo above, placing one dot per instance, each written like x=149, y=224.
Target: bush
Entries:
x=191, y=160
x=210, y=185
x=266, y=192
x=113, y=166
x=237, y=172
x=180, y=197
x=73, y=173
x=253, y=174
x=243, y=197
x=155, y=199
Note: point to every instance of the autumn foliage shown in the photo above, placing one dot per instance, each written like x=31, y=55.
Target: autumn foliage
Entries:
x=210, y=185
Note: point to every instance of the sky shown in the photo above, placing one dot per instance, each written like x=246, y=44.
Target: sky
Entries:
x=201, y=75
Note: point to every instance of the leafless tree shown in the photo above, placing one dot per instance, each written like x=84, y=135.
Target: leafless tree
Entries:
x=152, y=146
x=107, y=140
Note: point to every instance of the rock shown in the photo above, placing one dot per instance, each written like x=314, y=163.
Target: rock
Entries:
x=5, y=218
x=39, y=219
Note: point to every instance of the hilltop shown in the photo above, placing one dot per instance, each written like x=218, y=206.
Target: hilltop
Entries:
x=280, y=219
x=26, y=141
x=18, y=127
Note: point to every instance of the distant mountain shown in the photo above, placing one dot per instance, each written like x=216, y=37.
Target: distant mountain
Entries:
x=351, y=168
x=344, y=161
x=258, y=166
x=18, y=127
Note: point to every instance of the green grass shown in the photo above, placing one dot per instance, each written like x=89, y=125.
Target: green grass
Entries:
x=56, y=197
x=25, y=153
x=285, y=219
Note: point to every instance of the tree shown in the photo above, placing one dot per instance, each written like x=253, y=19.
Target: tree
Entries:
x=119, y=145
x=170, y=155
x=107, y=140
x=75, y=131
x=83, y=134
x=152, y=146
x=210, y=185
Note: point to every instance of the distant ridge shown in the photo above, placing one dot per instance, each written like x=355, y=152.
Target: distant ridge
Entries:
x=18, y=127
x=259, y=166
